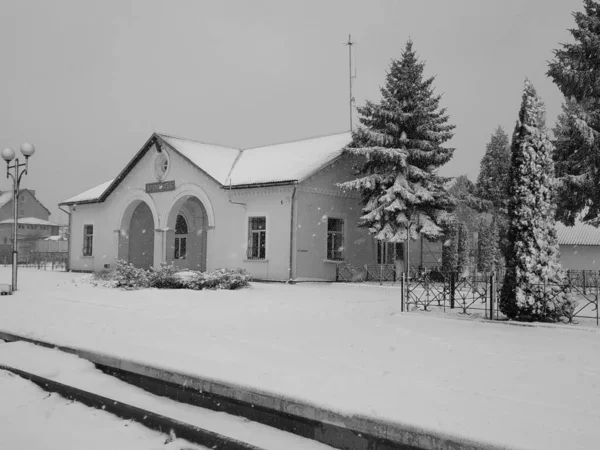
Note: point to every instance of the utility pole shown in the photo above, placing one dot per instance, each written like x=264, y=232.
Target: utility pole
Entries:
x=349, y=44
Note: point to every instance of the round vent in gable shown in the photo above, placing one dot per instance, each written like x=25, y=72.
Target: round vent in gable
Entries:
x=161, y=165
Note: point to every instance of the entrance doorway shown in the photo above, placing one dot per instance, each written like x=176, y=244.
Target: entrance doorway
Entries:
x=136, y=237
x=186, y=238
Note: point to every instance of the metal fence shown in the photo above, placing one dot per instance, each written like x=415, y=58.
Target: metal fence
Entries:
x=42, y=261
x=477, y=293
x=374, y=273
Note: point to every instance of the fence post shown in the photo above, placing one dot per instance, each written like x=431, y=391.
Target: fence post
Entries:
x=337, y=271
x=380, y=274
x=452, y=288
x=584, y=282
x=366, y=273
x=402, y=287
x=492, y=293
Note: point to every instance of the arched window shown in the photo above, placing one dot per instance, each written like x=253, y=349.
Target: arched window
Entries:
x=181, y=231
x=181, y=225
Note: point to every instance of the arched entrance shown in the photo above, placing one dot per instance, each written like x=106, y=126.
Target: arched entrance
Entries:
x=136, y=237
x=187, y=225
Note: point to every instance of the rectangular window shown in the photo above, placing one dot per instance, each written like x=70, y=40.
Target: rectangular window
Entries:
x=257, y=237
x=180, y=248
x=389, y=252
x=88, y=238
x=335, y=239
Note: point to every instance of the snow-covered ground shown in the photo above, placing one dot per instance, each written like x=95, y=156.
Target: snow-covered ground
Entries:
x=73, y=371
x=33, y=419
x=343, y=347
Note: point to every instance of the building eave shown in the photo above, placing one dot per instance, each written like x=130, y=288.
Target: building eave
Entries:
x=261, y=185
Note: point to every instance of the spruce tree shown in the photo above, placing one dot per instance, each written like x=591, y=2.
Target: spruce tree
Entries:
x=533, y=269
x=575, y=69
x=400, y=147
x=492, y=182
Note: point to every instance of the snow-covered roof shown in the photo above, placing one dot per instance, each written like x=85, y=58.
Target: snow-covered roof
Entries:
x=5, y=197
x=215, y=160
x=91, y=194
x=290, y=161
x=30, y=221
x=277, y=163
x=579, y=234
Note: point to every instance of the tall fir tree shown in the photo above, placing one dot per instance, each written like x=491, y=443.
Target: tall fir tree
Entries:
x=533, y=245
x=575, y=69
x=400, y=147
x=492, y=182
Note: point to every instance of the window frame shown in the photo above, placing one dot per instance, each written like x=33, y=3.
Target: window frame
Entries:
x=88, y=240
x=393, y=250
x=331, y=253
x=258, y=252
x=180, y=241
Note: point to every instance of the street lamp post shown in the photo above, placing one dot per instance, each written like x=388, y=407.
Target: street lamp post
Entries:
x=18, y=170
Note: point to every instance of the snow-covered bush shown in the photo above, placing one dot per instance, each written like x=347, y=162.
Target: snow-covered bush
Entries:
x=103, y=278
x=127, y=276
x=165, y=277
x=219, y=279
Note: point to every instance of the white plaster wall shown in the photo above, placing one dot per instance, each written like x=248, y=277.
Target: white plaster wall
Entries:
x=227, y=233
x=317, y=199
x=580, y=257
x=273, y=203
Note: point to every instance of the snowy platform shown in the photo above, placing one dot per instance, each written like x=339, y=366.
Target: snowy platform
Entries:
x=69, y=370
x=342, y=348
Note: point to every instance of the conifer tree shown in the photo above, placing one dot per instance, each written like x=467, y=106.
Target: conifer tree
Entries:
x=494, y=252
x=532, y=261
x=400, y=147
x=492, y=182
x=483, y=244
x=575, y=69
x=450, y=248
x=488, y=253
x=463, y=250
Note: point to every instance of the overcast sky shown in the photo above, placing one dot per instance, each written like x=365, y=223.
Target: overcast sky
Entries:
x=87, y=82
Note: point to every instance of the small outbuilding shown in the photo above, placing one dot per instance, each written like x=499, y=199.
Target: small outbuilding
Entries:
x=579, y=246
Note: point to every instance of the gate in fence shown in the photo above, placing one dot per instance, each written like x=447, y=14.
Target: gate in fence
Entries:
x=444, y=291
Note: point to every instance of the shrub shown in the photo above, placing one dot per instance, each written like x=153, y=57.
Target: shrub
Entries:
x=127, y=276
x=165, y=278
x=219, y=279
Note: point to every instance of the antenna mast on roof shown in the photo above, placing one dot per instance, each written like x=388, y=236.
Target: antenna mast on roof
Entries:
x=350, y=44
